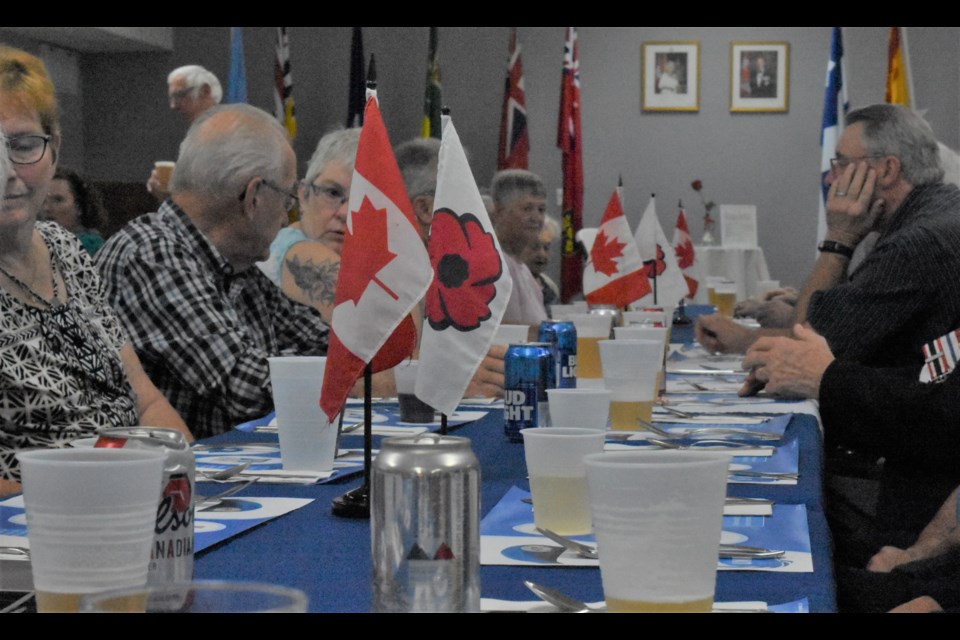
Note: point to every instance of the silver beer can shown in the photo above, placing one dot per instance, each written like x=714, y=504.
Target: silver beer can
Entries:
x=171, y=556
x=425, y=525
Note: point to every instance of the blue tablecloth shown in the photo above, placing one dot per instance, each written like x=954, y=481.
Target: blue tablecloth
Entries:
x=329, y=557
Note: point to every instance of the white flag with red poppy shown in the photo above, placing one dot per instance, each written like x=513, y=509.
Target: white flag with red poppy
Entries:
x=659, y=261
x=471, y=284
x=384, y=269
x=686, y=256
x=614, y=272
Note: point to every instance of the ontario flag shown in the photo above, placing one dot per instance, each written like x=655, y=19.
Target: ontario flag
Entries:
x=614, y=274
x=659, y=260
x=514, y=140
x=686, y=257
x=384, y=269
x=470, y=287
x=571, y=147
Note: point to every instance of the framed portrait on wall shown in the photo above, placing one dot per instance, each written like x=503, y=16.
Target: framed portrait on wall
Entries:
x=759, y=79
x=670, y=76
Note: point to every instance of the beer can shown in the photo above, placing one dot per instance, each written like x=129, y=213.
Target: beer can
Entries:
x=563, y=337
x=171, y=556
x=425, y=525
x=529, y=371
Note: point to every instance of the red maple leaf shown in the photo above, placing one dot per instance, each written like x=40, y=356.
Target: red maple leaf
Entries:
x=685, y=255
x=603, y=253
x=365, y=253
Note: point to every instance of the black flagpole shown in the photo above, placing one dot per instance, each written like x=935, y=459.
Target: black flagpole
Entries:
x=654, y=270
x=356, y=503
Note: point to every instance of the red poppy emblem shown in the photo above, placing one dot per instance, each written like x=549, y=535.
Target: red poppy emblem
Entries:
x=653, y=268
x=466, y=267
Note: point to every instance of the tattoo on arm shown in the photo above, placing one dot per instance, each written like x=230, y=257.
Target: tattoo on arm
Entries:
x=318, y=281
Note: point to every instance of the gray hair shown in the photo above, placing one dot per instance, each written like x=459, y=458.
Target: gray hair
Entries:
x=195, y=77
x=893, y=130
x=510, y=184
x=339, y=146
x=418, y=160
x=5, y=166
x=550, y=224
x=226, y=147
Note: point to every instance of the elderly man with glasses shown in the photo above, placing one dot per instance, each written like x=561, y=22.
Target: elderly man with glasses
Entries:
x=877, y=349
x=183, y=280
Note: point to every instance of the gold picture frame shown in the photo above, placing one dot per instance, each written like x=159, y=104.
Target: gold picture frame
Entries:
x=670, y=76
x=759, y=76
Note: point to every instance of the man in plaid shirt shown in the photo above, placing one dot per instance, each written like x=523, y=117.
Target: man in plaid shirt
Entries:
x=183, y=280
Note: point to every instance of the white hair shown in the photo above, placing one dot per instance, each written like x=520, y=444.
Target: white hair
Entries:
x=339, y=146
x=219, y=158
x=550, y=224
x=195, y=77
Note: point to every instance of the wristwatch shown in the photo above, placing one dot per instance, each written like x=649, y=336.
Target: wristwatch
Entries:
x=831, y=246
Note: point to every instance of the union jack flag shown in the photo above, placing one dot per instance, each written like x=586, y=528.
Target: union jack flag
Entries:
x=514, y=139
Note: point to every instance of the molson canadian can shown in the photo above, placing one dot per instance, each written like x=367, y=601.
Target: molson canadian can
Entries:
x=530, y=371
x=425, y=525
x=171, y=556
x=563, y=337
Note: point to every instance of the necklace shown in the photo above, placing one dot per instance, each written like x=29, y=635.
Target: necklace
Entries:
x=54, y=302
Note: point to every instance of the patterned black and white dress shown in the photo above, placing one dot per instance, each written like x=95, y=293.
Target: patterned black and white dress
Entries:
x=61, y=376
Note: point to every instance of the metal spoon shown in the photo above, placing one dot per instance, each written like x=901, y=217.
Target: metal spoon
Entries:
x=561, y=600
x=202, y=503
x=582, y=550
x=701, y=444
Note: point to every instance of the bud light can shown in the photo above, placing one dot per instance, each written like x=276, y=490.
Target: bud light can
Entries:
x=563, y=337
x=171, y=556
x=530, y=371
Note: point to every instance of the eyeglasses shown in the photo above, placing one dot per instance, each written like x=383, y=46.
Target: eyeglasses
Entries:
x=290, y=197
x=180, y=94
x=839, y=164
x=28, y=149
x=333, y=196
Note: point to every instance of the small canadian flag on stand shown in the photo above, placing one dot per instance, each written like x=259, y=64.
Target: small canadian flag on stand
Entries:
x=384, y=270
x=614, y=274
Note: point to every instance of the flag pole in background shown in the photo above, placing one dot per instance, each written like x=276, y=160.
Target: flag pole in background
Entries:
x=835, y=107
x=237, y=77
x=660, y=261
x=514, y=149
x=570, y=143
x=358, y=91
x=283, y=107
x=432, y=96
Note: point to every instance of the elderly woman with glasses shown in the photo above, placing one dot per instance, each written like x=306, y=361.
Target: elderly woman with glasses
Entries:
x=66, y=370
x=305, y=257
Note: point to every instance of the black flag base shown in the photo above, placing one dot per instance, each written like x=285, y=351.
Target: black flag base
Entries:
x=353, y=504
x=680, y=315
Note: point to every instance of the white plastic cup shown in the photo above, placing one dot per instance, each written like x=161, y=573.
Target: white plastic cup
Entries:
x=642, y=332
x=579, y=408
x=508, y=334
x=726, y=298
x=90, y=520
x=630, y=358
x=202, y=596
x=308, y=441
x=645, y=318
x=412, y=409
x=767, y=285
x=591, y=329
x=558, y=482
x=657, y=517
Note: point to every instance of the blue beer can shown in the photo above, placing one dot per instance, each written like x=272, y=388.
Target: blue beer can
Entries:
x=563, y=337
x=530, y=371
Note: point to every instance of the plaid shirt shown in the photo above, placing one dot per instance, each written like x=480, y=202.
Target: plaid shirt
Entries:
x=202, y=331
